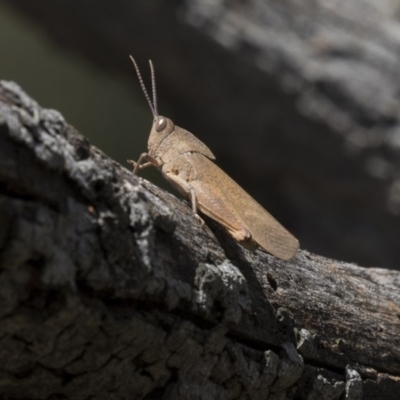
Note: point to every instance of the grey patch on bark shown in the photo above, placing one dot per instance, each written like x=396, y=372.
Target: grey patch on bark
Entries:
x=223, y=284
x=354, y=389
x=290, y=368
x=305, y=344
x=325, y=389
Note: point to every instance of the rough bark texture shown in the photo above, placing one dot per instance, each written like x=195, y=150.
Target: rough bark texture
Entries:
x=110, y=288
x=312, y=86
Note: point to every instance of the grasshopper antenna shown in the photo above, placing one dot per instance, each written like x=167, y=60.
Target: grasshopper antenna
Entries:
x=153, y=87
x=152, y=107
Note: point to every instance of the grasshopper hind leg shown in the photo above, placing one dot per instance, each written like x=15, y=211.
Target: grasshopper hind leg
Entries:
x=193, y=200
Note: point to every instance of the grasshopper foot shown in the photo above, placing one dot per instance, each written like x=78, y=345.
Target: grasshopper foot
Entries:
x=202, y=223
x=133, y=163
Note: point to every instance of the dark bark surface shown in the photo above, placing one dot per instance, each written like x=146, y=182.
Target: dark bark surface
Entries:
x=110, y=288
x=312, y=87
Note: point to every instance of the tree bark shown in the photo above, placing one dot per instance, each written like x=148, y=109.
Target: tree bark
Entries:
x=313, y=88
x=110, y=288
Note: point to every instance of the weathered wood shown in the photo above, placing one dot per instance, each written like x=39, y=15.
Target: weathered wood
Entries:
x=110, y=288
x=313, y=87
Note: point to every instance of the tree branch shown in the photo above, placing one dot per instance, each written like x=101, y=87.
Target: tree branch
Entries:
x=110, y=288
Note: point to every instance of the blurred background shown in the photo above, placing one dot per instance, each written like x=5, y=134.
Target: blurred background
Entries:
x=298, y=100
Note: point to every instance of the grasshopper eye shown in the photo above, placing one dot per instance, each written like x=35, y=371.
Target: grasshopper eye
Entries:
x=161, y=124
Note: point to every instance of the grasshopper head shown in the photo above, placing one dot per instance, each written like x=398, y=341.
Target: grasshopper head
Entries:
x=161, y=128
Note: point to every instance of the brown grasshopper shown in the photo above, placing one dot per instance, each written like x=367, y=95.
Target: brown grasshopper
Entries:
x=187, y=164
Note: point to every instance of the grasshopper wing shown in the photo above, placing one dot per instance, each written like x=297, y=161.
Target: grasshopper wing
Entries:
x=218, y=194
